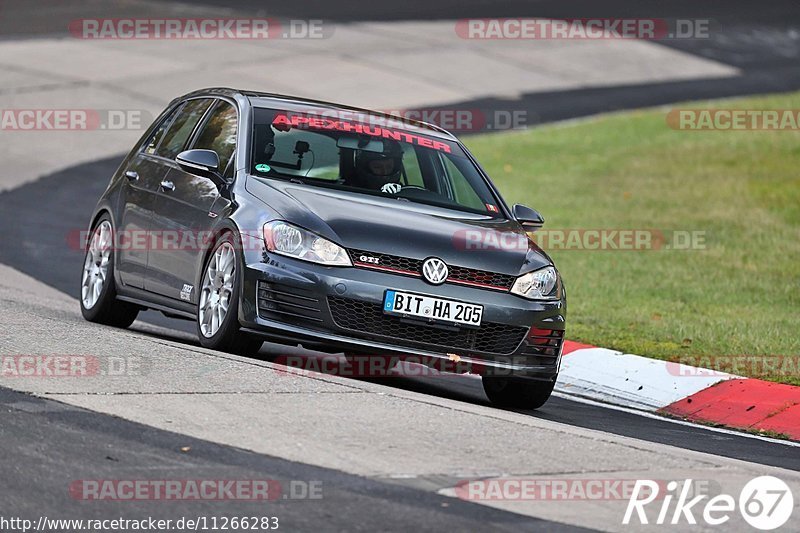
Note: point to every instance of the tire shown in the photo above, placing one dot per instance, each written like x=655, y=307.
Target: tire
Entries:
x=518, y=393
x=218, y=304
x=98, y=291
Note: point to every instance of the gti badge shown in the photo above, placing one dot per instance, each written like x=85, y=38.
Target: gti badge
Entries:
x=369, y=259
x=434, y=270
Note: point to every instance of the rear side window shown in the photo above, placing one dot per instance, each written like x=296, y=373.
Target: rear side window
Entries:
x=219, y=133
x=181, y=128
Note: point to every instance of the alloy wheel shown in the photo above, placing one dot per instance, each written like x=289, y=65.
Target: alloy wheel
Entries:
x=95, y=266
x=217, y=289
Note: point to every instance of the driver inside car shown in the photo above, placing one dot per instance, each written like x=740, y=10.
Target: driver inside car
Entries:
x=379, y=171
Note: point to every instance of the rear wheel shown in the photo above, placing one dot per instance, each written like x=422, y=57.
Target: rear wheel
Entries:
x=518, y=393
x=98, y=293
x=217, y=310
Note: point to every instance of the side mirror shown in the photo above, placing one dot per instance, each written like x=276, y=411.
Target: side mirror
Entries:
x=530, y=219
x=203, y=163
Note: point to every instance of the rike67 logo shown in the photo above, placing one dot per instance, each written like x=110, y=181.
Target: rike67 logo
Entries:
x=766, y=503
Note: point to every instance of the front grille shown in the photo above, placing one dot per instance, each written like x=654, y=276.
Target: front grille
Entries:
x=543, y=345
x=413, y=267
x=287, y=302
x=480, y=277
x=368, y=318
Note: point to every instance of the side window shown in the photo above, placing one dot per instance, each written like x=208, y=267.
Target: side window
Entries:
x=151, y=144
x=219, y=133
x=178, y=133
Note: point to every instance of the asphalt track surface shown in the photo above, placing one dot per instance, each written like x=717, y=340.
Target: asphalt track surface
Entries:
x=58, y=443
x=55, y=442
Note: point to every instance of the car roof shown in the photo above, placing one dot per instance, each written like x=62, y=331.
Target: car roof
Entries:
x=308, y=105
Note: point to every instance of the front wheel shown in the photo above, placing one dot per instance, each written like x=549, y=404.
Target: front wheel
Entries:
x=518, y=393
x=98, y=293
x=217, y=310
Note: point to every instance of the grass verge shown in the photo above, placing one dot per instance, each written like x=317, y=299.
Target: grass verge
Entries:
x=733, y=304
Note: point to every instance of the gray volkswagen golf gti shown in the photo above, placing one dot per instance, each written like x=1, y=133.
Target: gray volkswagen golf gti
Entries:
x=267, y=217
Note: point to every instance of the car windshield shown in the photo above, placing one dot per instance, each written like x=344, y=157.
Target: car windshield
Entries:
x=368, y=158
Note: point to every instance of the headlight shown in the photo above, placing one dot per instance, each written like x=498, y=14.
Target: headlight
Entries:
x=286, y=239
x=542, y=284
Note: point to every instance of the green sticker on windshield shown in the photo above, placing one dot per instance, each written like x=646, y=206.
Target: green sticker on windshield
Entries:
x=263, y=168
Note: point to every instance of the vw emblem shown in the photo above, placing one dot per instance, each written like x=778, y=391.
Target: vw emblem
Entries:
x=434, y=270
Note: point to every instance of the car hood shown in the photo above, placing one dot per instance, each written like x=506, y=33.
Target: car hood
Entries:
x=388, y=226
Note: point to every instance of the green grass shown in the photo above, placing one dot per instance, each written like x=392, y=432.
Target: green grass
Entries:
x=738, y=296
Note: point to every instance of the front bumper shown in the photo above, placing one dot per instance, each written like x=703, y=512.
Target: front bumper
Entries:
x=293, y=301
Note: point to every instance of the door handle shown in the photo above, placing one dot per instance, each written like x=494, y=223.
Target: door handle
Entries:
x=132, y=175
x=167, y=185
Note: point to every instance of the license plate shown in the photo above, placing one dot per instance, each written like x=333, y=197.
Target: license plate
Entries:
x=436, y=309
